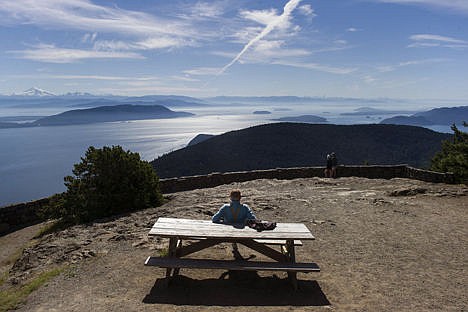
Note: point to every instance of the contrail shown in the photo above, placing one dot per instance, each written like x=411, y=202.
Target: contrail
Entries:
x=288, y=8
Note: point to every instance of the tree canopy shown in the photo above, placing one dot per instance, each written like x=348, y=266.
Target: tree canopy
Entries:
x=453, y=157
x=109, y=181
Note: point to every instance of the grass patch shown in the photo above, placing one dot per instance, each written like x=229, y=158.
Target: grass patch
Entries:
x=3, y=277
x=51, y=227
x=12, y=297
x=163, y=252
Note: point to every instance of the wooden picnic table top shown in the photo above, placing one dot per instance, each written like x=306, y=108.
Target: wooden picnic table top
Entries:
x=189, y=228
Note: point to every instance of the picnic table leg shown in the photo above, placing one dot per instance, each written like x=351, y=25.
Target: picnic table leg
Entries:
x=178, y=246
x=291, y=256
x=171, y=253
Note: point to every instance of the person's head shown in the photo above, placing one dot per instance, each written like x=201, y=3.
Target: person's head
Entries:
x=235, y=195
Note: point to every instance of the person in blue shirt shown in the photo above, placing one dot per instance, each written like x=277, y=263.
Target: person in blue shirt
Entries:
x=234, y=213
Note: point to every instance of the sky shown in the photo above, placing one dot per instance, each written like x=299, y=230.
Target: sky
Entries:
x=415, y=49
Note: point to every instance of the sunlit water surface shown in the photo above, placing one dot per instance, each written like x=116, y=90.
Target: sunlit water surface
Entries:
x=33, y=161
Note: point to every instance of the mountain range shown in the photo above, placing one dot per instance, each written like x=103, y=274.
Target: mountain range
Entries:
x=283, y=145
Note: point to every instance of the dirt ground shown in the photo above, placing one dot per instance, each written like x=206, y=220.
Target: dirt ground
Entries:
x=382, y=245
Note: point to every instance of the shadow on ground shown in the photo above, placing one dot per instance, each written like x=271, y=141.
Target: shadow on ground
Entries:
x=236, y=288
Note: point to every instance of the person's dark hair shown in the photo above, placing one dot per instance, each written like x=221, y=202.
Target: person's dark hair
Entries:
x=235, y=194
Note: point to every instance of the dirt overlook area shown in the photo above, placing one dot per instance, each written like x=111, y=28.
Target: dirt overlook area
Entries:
x=382, y=245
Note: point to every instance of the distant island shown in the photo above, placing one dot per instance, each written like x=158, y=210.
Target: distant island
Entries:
x=369, y=111
x=303, y=118
x=101, y=114
x=438, y=116
x=261, y=112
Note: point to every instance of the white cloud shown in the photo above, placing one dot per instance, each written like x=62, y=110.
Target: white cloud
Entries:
x=430, y=40
x=87, y=77
x=88, y=37
x=185, y=78
x=307, y=10
x=161, y=43
x=263, y=17
x=86, y=16
x=202, y=71
x=352, y=29
x=113, y=45
x=459, y=6
x=318, y=67
x=389, y=68
x=271, y=22
x=207, y=10
x=152, y=89
x=274, y=49
x=369, y=79
x=99, y=77
x=52, y=54
x=430, y=37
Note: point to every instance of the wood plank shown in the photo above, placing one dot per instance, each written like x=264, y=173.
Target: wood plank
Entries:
x=170, y=227
x=187, y=223
x=231, y=265
x=197, y=246
x=263, y=249
x=197, y=223
x=187, y=234
x=297, y=242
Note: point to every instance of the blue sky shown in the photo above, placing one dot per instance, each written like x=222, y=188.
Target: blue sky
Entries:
x=346, y=48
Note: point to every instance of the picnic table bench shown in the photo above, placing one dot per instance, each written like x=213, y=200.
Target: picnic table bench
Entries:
x=204, y=234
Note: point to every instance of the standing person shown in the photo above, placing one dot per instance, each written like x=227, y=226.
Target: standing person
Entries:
x=234, y=213
x=334, y=164
x=328, y=169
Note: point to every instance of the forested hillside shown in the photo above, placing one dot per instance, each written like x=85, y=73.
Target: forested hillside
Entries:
x=298, y=144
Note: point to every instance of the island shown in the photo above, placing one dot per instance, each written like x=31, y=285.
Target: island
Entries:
x=261, y=112
x=438, y=116
x=102, y=114
x=303, y=118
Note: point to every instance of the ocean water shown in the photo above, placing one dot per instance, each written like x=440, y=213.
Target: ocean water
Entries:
x=34, y=161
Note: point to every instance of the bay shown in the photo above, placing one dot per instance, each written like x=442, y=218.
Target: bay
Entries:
x=34, y=161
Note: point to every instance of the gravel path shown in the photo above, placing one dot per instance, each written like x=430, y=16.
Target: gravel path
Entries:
x=382, y=245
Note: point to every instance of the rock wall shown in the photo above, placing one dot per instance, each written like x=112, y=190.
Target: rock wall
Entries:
x=25, y=214
x=173, y=185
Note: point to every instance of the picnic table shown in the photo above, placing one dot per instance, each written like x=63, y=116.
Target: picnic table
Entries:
x=203, y=234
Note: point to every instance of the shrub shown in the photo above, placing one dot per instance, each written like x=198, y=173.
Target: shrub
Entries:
x=108, y=181
x=453, y=157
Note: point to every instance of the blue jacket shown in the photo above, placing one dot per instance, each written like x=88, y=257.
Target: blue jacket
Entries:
x=234, y=213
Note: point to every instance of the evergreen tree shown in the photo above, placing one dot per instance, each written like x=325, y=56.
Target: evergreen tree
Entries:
x=453, y=156
x=109, y=181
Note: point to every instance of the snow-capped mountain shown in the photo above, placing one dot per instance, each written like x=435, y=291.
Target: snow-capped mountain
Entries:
x=36, y=92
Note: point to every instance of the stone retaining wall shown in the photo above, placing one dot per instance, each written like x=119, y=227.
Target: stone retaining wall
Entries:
x=173, y=185
x=25, y=214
